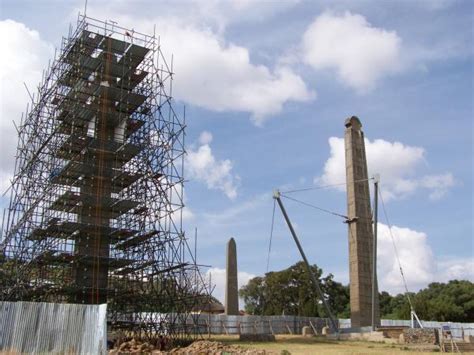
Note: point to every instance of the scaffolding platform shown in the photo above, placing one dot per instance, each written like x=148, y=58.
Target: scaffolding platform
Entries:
x=74, y=230
x=75, y=146
x=74, y=202
x=137, y=240
x=55, y=258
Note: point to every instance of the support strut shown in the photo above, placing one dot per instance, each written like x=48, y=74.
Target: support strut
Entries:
x=314, y=279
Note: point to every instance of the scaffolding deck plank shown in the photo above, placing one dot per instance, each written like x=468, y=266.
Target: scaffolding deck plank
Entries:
x=74, y=145
x=73, y=202
x=135, y=268
x=168, y=269
x=114, y=45
x=57, y=258
x=86, y=42
x=139, y=239
x=74, y=230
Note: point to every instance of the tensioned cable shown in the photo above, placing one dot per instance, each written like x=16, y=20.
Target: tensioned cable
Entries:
x=269, y=251
x=323, y=186
x=396, y=250
x=271, y=235
x=315, y=207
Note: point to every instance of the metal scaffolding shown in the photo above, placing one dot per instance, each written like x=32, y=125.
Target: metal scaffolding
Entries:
x=97, y=194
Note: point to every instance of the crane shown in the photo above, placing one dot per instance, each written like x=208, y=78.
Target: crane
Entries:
x=314, y=279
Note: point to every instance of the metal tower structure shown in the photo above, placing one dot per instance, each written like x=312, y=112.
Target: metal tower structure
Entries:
x=97, y=194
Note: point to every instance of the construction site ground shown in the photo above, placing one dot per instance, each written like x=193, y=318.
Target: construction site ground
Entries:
x=299, y=345
x=284, y=345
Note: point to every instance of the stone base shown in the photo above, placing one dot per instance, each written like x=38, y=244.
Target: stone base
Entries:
x=419, y=336
x=391, y=332
x=307, y=331
x=366, y=336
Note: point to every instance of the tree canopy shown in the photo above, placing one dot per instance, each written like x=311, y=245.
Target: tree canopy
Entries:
x=452, y=301
x=291, y=292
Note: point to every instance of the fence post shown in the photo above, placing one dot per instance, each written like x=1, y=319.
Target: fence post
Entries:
x=271, y=328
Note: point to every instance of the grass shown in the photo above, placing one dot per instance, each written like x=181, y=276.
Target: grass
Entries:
x=299, y=345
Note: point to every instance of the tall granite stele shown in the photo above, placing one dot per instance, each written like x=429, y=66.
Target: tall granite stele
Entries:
x=231, y=287
x=360, y=227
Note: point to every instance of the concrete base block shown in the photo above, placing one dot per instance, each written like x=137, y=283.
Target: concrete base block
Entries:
x=307, y=331
x=366, y=336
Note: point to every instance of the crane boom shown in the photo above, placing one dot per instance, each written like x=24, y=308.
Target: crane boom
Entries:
x=314, y=279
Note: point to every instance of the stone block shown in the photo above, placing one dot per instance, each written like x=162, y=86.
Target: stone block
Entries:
x=307, y=331
x=419, y=336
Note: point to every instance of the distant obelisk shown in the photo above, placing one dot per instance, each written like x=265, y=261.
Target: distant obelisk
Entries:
x=360, y=227
x=231, y=287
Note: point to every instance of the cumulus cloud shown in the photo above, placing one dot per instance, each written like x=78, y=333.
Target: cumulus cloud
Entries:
x=420, y=266
x=203, y=166
x=188, y=214
x=223, y=13
x=205, y=137
x=24, y=56
x=456, y=268
x=397, y=165
x=211, y=72
x=359, y=53
x=416, y=259
x=220, y=76
x=218, y=280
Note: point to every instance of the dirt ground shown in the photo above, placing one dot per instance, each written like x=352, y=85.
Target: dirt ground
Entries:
x=284, y=345
x=298, y=345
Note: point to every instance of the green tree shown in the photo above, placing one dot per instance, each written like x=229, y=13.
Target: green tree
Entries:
x=291, y=292
x=452, y=301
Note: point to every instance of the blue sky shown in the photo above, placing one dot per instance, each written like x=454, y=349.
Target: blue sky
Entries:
x=267, y=87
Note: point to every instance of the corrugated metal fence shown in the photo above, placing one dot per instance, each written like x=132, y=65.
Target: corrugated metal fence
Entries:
x=224, y=324
x=458, y=329
x=34, y=327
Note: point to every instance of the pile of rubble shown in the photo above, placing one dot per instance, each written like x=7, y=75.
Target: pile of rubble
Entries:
x=205, y=347
x=133, y=347
x=202, y=347
x=419, y=336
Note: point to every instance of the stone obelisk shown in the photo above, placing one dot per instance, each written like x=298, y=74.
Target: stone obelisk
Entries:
x=360, y=227
x=231, y=285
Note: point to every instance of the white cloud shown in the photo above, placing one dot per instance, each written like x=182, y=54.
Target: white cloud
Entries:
x=226, y=80
x=188, y=214
x=23, y=58
x=419, y=264
x=415, y=256
x=439, y=184
x=218, y=280
x=233, y=214
x=359, y=53
x=222, y=13
x=218, y=14
x=456, y=268
x=203, y=166
x=205, y=137
x=211, y=72
x=397, y=165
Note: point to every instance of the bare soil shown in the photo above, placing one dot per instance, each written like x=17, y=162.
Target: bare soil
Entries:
x=284, y=345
